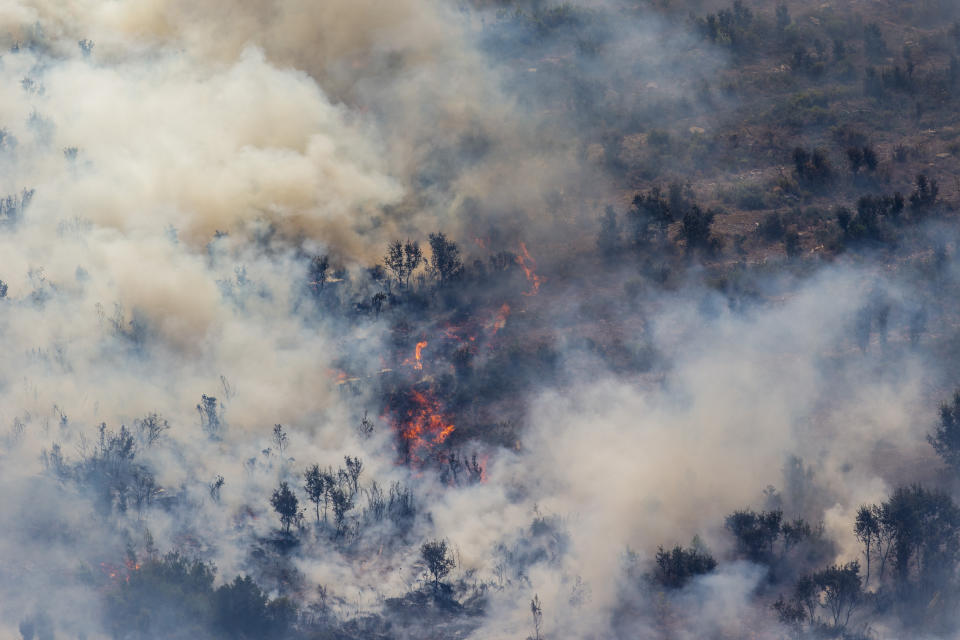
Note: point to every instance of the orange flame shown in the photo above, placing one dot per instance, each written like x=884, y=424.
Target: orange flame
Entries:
x=528, y=264
x=419, y=364
x=458, y=333
x=423, y=425
x=119, y=573
x=500, y=321
x=339, y=374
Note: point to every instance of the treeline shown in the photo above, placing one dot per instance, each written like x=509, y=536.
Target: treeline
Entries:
x=171, y=596
x=645, y=225
x=338, y=492
x=414, y=277
x=665, y=221
x=907, y=575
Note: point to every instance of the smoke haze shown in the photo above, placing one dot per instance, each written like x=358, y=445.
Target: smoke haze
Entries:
x=174, y=180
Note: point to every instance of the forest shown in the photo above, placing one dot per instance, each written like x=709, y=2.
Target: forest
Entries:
x=486, y=319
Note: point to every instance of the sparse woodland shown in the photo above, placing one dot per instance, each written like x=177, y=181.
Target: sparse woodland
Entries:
x=492, y=319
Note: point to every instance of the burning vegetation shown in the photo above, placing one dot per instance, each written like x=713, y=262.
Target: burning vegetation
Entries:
x=488, y=319
x=421, y=425
x=528, y=265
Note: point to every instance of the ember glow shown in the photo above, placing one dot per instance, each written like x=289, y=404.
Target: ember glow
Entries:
x=119, y=572
x=529, y=265
x=270, y=322
x=500, y=320
x=459, y=333
x=418, y=365
x=422, y=426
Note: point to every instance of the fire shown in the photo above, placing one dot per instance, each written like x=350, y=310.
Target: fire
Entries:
x=419, y=364
x=341, y=376
x=422, y=425
x=500, y=320
x=458, y=333
x=119, y=573
x=528, y=264
x=108, y=569
x=417, y=361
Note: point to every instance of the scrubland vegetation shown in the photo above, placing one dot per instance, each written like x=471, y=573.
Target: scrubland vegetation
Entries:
x=498, y=319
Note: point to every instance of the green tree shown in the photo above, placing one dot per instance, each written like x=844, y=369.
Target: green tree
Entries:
x=755, y=533
x=695, y=228
x=240, y=608
x=168, y=597
x=403, y=259
x=315, y=486
x=354, y=469
x=285, y=503
x=649, y=208
x=395, y=263
x=151, y=427
x=813, y=168
x=412, y=259
x=280, y=438
x=445, y=263
x=945, y=440
x=923, y=527
x=438, y=559
x=924, y=195
x=839, y=591
x=342, y=502
x=791, y=614
x=677, y=567
x=872, y=532
x=211, y=420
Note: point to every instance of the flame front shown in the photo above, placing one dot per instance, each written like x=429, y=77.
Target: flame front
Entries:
x=422, y=425
x=418, y=365
x=528, y=264
x=500, y=320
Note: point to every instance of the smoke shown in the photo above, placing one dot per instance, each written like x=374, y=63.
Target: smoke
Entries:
x=333, y=112
x=621, y=464
x=168, y=186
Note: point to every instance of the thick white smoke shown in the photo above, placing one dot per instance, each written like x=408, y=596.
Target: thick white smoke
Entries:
x=176, y=174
